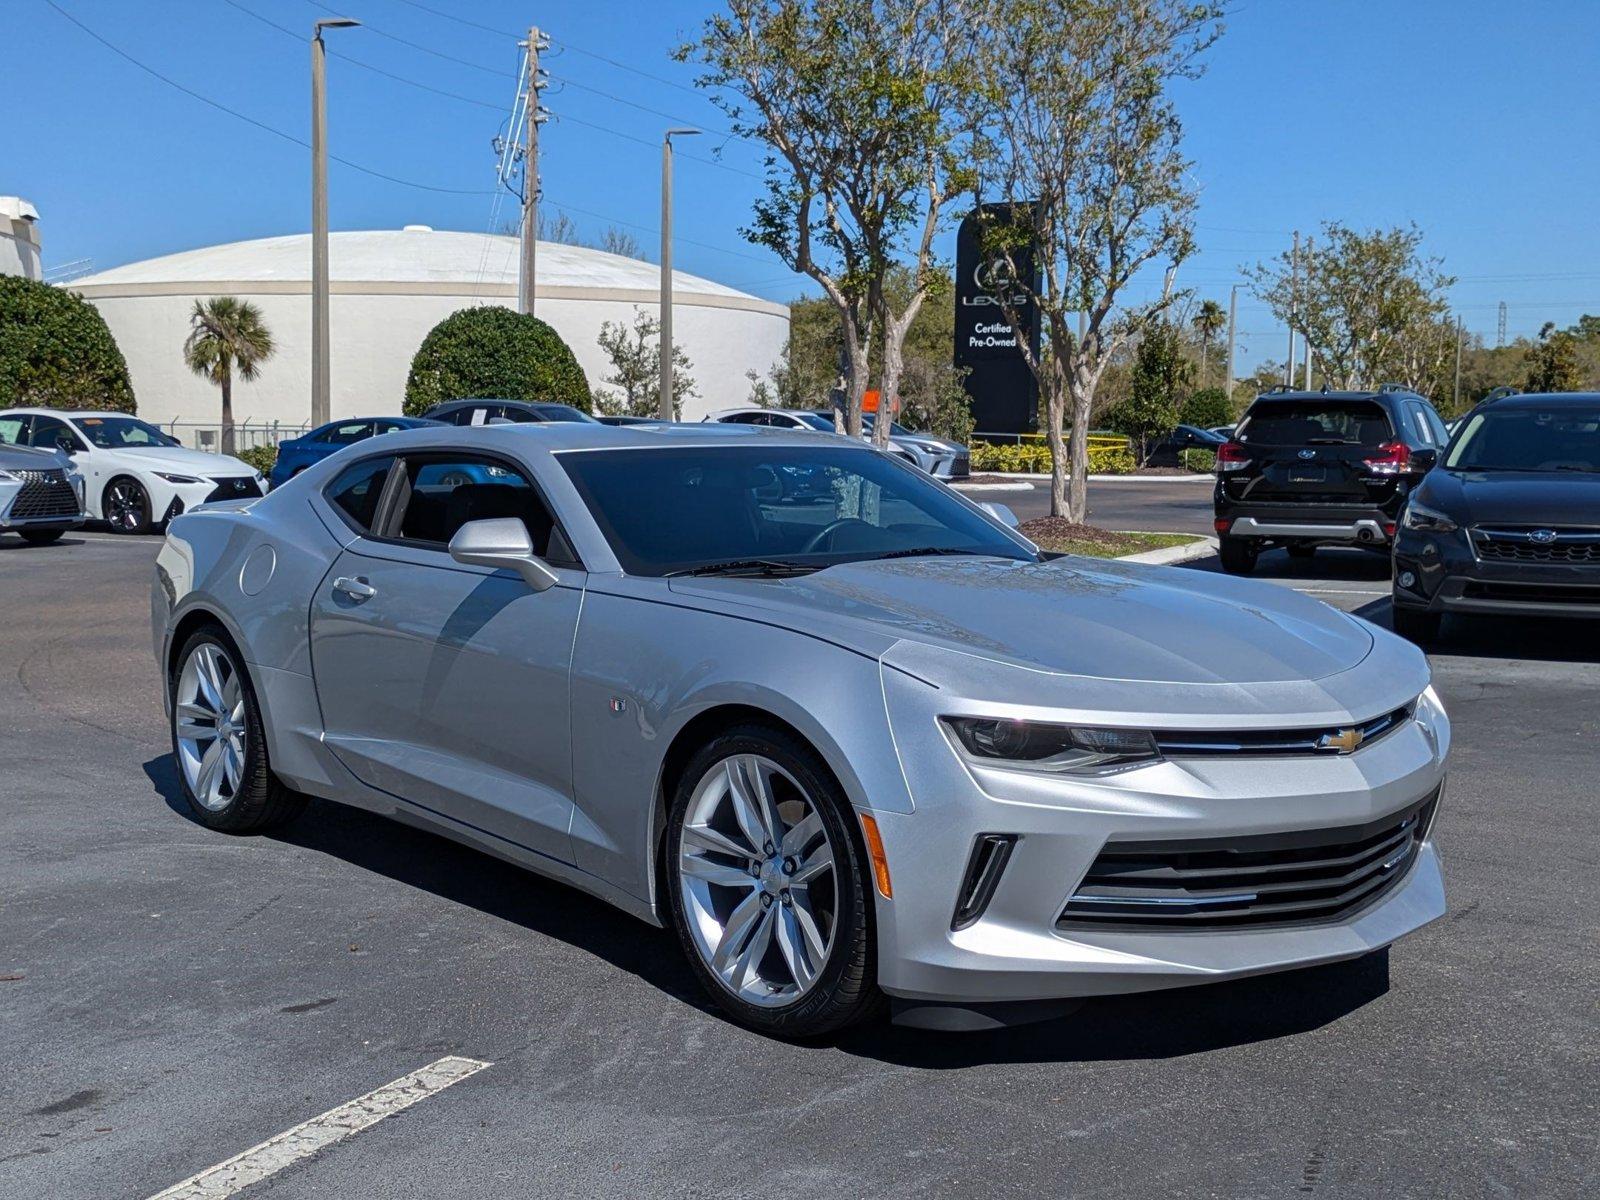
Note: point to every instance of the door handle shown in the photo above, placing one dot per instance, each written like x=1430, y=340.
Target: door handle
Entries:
x=357, y=589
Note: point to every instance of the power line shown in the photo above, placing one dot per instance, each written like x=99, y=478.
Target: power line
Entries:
x=249, y=120
x=462, y=20
x=394, y=37
x=710, y=162
x=284, y=29
x=556, y=204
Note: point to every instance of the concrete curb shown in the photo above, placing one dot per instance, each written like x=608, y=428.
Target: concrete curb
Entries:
x=1168, y=555
x=993, y=487
x=1045, y=479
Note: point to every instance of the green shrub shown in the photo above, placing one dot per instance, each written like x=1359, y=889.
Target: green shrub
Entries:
x=56, y=352
x=1207, y=408
x=261, y=458
x=1201, y=462
x=494, y=352
x=1033, y=458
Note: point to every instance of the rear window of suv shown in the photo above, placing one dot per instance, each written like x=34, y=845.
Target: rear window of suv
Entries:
x=1315, y=422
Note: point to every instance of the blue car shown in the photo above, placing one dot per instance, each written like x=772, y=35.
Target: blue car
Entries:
x=296, y=454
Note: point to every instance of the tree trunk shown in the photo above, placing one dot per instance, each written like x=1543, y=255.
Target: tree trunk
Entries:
x=1082, y=390
x=227, y=411
x=889, y=382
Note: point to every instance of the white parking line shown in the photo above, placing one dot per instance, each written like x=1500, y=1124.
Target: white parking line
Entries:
x=307, y=1138
x=1339, y=592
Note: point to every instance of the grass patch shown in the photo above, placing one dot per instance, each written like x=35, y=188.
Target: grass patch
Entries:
x=1064, y=537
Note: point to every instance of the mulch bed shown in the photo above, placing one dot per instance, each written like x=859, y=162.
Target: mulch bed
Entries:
x=1058, y=529
x=990, y=479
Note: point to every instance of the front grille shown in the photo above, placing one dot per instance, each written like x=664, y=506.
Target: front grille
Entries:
x=1184, y=743
x=1270, y=879
x=1537, y=544
x=44, y=494
x=961, y=467
x=1532, y=593
x=240, y=487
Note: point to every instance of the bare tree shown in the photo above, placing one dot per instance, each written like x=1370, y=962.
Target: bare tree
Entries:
x=1087, y=150
x=859, y=102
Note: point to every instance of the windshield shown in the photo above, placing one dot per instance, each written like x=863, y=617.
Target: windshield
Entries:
x=670, y=511
x=565, y=412
x=897, y=429
x=1529, y=439
x=121, y=433
x=816, y=421
x=1309, y=422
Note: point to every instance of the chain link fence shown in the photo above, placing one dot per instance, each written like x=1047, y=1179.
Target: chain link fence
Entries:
x=247, y=435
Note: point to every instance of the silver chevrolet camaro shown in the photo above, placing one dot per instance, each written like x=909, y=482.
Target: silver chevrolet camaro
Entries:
x=850, y=736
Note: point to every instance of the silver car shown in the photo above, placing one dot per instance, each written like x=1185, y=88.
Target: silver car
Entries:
x=41, y=492
x=936, y=456
x=846, y=733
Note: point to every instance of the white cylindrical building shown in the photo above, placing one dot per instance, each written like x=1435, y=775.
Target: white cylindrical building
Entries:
x=388, y=289
x=19, y=238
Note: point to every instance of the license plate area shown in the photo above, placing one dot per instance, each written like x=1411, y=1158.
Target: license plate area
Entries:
x=1307, y=474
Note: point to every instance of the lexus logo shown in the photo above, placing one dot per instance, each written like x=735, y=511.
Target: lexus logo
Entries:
x=1344, y=741
x=995, y=275
x=1543, y=536
x=1308, y=454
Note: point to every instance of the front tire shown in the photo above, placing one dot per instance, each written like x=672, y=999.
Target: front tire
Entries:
x=41, y=537
x=1238, y=554
x=126, y=506
x=768, y=887
x=219, y=743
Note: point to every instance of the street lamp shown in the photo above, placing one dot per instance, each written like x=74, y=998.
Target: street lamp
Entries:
x=319, y=220
x=665, y=410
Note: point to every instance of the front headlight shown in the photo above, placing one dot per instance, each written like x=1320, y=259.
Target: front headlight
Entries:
x=1427, y=520
x=1058, y=749
x=177, y=478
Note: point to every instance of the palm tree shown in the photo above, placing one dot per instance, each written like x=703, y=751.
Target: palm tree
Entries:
x=1208, y=322
x=226, y=333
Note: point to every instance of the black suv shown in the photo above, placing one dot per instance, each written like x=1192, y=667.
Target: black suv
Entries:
x=1509, y=522
x=1309, y=469
x=484, y=412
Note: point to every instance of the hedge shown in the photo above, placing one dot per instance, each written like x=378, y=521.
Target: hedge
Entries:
x=262, y=458
x=56, y=352
x=493, y=352
x=1033, y=458
x=1201, y=462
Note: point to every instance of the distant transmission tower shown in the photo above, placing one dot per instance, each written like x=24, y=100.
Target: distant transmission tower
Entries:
x=1500, y=331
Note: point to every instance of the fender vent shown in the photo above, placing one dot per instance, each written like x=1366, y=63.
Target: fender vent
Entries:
x=990, y=853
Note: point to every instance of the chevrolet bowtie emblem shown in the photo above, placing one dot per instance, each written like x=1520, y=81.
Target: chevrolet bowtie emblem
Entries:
x=1344, y=741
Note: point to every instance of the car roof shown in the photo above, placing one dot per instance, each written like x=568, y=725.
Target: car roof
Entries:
x=71, y=412
x=1546, y=400
x=559, y=436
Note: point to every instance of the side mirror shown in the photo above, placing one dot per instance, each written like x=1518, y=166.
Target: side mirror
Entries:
x=1000, y=513
x=503, y=543
x=1425, y=460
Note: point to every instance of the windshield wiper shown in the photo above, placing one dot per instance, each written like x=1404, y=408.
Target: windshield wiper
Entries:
x=1331, y=441
x=747, y=566
x=930, y=551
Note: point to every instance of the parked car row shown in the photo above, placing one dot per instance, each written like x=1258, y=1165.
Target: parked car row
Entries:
x=1502, y=517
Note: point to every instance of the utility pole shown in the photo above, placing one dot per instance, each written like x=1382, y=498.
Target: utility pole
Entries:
x=664, y=411
x=1294, y=308
x=530, y=173
x=1455, y=402
x=1305, y=335
x=1500, y=332
x=1233, y=312
x=320, y=373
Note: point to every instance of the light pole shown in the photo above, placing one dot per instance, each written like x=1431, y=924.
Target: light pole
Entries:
x=665, y=409
x=319, y=220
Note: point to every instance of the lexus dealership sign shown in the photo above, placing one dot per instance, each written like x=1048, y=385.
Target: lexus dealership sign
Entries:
x=1003, y=390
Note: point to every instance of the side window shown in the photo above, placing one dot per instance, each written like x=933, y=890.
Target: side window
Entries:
x=13, y=430
x=446, y=493
x=347, y=434
x=390, y=426
x=1419, y=423
x=357, y=489
x=1441, y=435
x=512, y=413
x=745, y=419
x=50, y=434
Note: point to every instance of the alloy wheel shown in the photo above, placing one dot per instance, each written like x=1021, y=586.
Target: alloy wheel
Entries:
x=756, y=873
x=124, y=505
x=208, y=714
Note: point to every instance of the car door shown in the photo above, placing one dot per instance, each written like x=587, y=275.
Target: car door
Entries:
x=52, y=433
x=446, y=684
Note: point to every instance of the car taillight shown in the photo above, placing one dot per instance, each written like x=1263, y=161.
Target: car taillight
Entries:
x=1231, y=456
x=1391, y=459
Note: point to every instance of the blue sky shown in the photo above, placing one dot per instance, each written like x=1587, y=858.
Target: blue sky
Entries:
x=1474, y=119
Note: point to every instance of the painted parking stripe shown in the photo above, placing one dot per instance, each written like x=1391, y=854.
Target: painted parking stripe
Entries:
x=307, y=1138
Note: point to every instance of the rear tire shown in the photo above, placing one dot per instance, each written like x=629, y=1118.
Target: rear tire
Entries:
x=733, y=905
x=218, y=741
x=1238, y=554
x=1415, y=624
x=41, y=537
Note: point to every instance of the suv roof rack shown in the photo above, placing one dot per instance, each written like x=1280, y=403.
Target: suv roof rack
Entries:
x=1500, y=393
x=1397, y=387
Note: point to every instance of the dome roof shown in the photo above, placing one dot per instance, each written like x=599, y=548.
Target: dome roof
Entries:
x=417, y=254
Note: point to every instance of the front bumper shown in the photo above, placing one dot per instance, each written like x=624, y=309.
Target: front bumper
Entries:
x=1017, y=950
x=41, y=505
x=1448, y=577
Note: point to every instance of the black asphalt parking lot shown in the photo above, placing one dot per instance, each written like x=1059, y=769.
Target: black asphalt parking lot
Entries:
x=171, y=996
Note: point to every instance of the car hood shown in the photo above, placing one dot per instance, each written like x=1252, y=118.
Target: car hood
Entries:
x=180, y=460
x=1071, y=616
x=29, y=458
x=1514, y=497
x=927, y=442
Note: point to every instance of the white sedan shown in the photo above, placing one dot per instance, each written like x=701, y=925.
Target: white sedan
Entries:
x=135, y=476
